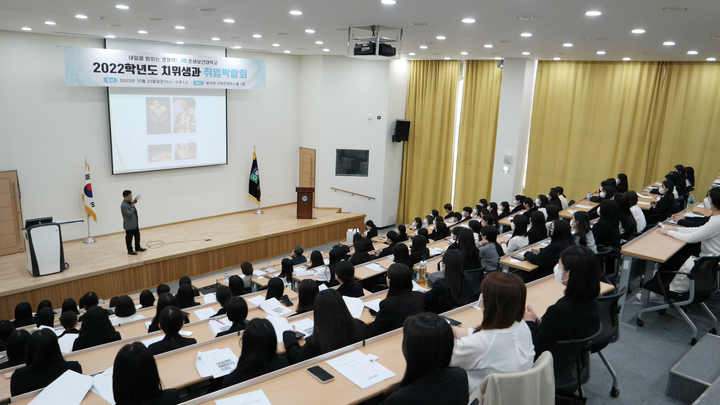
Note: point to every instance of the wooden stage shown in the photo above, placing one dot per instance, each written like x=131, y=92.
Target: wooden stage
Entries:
x=191, y=248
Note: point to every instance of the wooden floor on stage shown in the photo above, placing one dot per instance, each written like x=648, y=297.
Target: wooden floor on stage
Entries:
x=183, y=239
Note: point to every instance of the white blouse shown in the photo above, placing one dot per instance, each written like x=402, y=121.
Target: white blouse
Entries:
x=708, y=235
x=515, y=243
x=639, y=217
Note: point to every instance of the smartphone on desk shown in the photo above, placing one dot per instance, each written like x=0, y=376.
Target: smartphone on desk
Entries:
x=322, y=375
x=286, y=300
x=519, y=257
x=373, y=312
x=451, y=321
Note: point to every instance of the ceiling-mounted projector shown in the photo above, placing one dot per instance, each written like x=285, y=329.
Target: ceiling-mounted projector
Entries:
x=369, y=49
x=374, y=42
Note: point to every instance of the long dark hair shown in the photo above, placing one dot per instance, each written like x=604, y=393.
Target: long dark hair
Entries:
x=69, y=305
x=90, y=299
x=42, y=348
x=503, y=300
x=44, y=304
x=6, y=328
x=275, y=288
x=316, y=259
x=553, y=212
x=259, y=345
x=45, y=317
x=561, y=233
x=441, y=231
x=553, y=198
x=23, y=314
x=583, y=283
x=164, y=300
x=454, y=279
x=402, y=231
x=171, y=321
x=520, y=223
x=401, y=254
x=418, y=223
x=223, y=295
x=419, y=243
x=185, y=296
x=147, y=298
x=236, y=310
x=466, y=244
x=334, y=326
x=625, y=213
x=491, y=233
x=336, y=255
x=345, y=272
x=609, y=212
x=307, y=290
x=399, y=278
x=690, y=173
x=125, y=307
x=16, y=346
x=537, y=219
x=96, y=328
x=286, y=270
x=582, y=223
x=237, y=285
x=135, y=375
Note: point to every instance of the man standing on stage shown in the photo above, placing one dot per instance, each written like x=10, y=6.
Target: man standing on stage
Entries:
x=130, y=222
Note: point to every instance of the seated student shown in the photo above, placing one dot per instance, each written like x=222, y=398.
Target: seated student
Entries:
x=402, y=255
x=541, y=203
x=371, y=229
x=581, y=229
x=336, y=255
x=454, y=234
x=547, y=257
x=334, y=328
x=45, y=319
x=502, y=343
x=164, y=300
x=476, y=227
x=466, y=244
x=519, y=238
x=529, y=207
x=362, y=252
x=162, y=289
x=662, y=208
x=574, y=316
x=554, y=199
x=553, y=213
x=307, y=290
x=637, y=212
x=44, y=304
x=316, y=259
x=136, y=379
x=493, y=207
x=424, y=233
x=286, y=272
x=345, y=274
x=503, y=210
x=6, y=329
x=68, y=320
x=237, y=311
x=607, y=229
x=418, y=250
x=44, y=364
x=689, y=177
x=275, y=288
x=186, y=280
x=23, y=315
x=171, y=321
x=457, y=217
x=236, y=285
x=16, y=345
x=435, y=214
x=441, y=231
x=417, y=223
x=448, y=211
x=402, y=233
x=428, y=221
x=628, y=225
x=487, y=220
x=247, y=271
x=125, y=307
x=185, y=297
x=490, y=251
x=96, y=330
x=454, y=289
x=70, y=305
x=393, y=239
x=482, y=204
x=297, y=256
x=258, y=355
x=606, y=191
x=680, y=179
x=147, y=299
x=538, y=230
x=561, y=196
x=621, y=183
x=400, y=303
x=519, y=204
x=222, y=295
x=429, y=379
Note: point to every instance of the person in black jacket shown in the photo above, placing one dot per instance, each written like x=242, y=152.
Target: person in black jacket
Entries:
x=547, y=257
x=6, y=329
x=296, y=257
x=44, y=364
x=69, y=320
x=529, y=207
x=448, y=211
x=371, y=229
x=237, y=311
x=518, y=204
x=621, y=183
x=418, y=249
x=429, y=379
x=237, y=285
x=441, y=231
x=662, y=208
x=16, y=345
x=136, y=379
x=455, y=289
x=538, y=230
x=334, y=328
x=307, y=290
x=607, y=229
x=574, y=316
x=222, y=296
x=164, y=300
x=187, y=280
x=394, y=239
x=171, y=321
x=147, y=299
x=402, y=232
x=96, y=330
x=345, y=274
x=23, y=315
x=401, y=301
x=402, y=255
x=185, y=297
x=466, y=244
x=362, y=254
x=258, y=355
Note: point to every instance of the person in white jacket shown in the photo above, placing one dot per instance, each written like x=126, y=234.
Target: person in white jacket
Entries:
x=502, y=343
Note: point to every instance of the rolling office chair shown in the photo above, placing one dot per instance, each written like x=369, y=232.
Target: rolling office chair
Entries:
x=609, y=258
x=477, y=277
x=609, y=311
x=572, y=364
x=532, y=387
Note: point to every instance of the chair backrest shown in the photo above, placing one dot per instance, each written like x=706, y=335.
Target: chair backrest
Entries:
x=705, y=274
x=609, y=311
x=532, y=387
x=568, y=355
x=477, y=276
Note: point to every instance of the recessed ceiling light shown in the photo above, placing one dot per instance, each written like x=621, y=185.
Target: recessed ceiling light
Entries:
x=26, y=29
x=488, y=46
x=526, y=53
x=423, y=46
x=179, y=27
x=710, y=59
x=180, y=42
x=237, y=47
x=593, y=13
x=286, y=51
x=318, y=42
x=692, y=52
x=109, y=36
x=215, y=38
x=638, y=31
x=440, y=37
x=257, y=36
x=276, y=44
x=122, y=7
x=463, y=53
x=49, y=22
x=567, y=45
x=142, y=32
x=626, y=59
x=388, y=2
x=668, y=43
x=412, y=54
x=81, y=16
x=326, y=50
x=295, y=12
x=526, y=34
x=556, y=58
x=309, y=31
x=498, y=58
x=674, y=9
x=600, y=52
x=468, y=20
x=447, y=58
x=228, y=20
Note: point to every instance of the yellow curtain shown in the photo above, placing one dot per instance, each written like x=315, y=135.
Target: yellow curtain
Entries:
x=591, y=121
x=689, y=124
x=426, y=179
x=478, y=130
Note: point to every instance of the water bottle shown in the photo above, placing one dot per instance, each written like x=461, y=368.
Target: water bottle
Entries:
x=588, y=196
x=690, y=203
x=423, y=271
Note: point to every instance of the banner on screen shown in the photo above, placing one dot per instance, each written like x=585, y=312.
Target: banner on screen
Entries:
x=114, y=68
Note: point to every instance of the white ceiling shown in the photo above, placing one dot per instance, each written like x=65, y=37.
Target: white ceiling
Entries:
x=558, y=22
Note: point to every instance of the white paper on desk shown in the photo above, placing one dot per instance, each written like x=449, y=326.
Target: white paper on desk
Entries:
x=216, y=363
x=257, y=300
x=373, y=304
x=416, y=287
x=66, y=342
x=376, y=267
x=103, y=385
x=147, y=324
x=514, y=261
x=572, y=211
x=210, y=298
x=355, y=306
x=273, y=307
x=205, y=313
x=306, y=326
x=259, y=272
x=435, y=252
x=303, y=273
x=322, y=287
x=280, y=325
x=643, y=203
x=148, y=342
x=692, y=215
x=361, y=369
x=59, y=332
x=219, y=325
x=326, y=261
x=116, y=320
x=71, y=387
x=587, y=207
x=251, y=398
x=138, y=306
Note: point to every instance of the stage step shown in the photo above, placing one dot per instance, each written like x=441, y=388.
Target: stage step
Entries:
x=711, y=396
x=696, y=371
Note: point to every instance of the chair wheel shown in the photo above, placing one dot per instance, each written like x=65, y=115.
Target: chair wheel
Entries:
x=614, y=392
x=662, y=312
x=640, y=322
x=713, y=331
x=693, y=341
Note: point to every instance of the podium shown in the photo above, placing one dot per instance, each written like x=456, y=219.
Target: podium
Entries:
x=43, y=245
x=305, y=202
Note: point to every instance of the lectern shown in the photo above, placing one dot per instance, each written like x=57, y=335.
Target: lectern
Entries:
x=305, y=202
x=43, y=244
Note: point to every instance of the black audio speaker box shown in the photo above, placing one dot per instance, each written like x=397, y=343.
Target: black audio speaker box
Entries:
x=402, y=131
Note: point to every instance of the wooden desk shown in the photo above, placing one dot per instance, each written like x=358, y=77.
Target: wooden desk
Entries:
x=507, y=220
x=568, y=213
x=508, y=262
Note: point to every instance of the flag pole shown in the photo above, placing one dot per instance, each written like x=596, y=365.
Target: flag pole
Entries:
x=258, y=210
x=89, y=238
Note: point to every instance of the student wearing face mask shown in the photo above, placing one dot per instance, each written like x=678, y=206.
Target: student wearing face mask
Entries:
x=503, y=210
x=561, y=196
x=547, y=257
x=493, y=207
x=519, y=237
x=662, y=208
x=637, y=212
x=529, y=207
x=519, y=199
x=554, y=199
x=581, y=230
x=417, y=223
x=621, y=183
x=541, y=203
x=466, y=214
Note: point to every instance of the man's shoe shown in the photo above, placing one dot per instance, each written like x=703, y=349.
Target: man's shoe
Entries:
x=130, y=252
x=140, y=249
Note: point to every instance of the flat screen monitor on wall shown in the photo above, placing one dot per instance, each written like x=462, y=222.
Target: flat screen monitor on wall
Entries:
x=158, y=129
x=351, y=162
